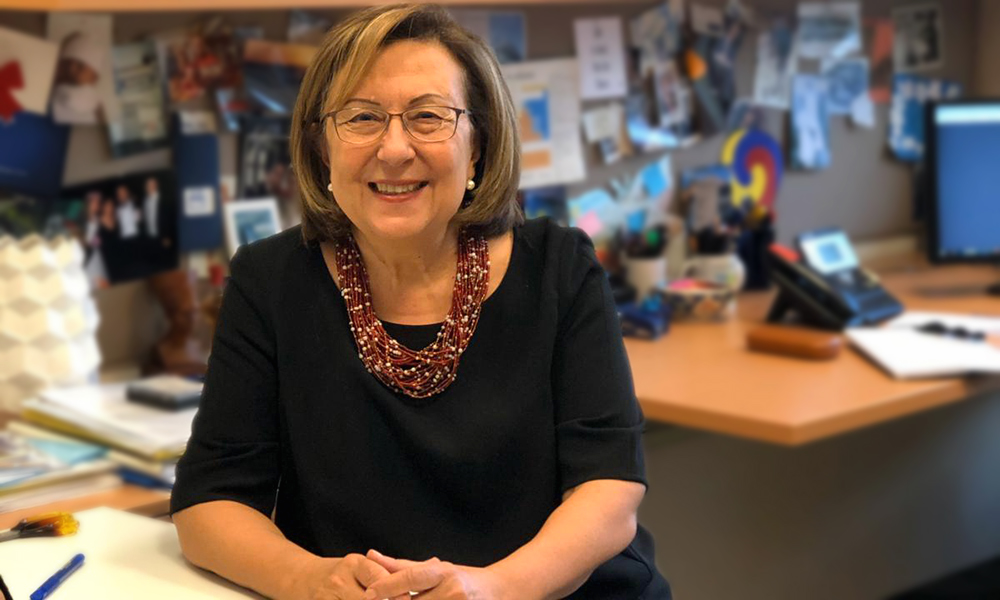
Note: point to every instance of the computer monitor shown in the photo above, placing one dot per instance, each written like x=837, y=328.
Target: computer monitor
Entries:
x=963, y=168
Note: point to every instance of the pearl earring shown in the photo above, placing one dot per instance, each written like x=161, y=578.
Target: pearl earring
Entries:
x=470, y=185
x=329, y=186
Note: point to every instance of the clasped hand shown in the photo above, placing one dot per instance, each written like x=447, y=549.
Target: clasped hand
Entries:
x=380, y=577
x=431, y=580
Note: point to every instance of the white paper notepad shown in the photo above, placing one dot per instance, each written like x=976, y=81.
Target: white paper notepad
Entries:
x=907, y=353
x=127, y=557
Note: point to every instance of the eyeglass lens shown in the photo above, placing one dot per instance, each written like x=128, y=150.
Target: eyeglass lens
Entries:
x=428, y=123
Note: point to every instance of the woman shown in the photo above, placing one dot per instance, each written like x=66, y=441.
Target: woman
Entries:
x=425, y=395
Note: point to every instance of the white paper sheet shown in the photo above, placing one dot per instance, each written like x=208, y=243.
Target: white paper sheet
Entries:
x=907, y=353
x=602, y=122
x=863, y=112
x=600, y=50
x=546, y=95
x=776, y=58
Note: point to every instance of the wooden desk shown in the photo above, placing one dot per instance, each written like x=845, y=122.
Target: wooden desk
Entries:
x=701, y=376
x=134, y=499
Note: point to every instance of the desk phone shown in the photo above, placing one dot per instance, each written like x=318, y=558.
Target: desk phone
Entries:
x=823, y=284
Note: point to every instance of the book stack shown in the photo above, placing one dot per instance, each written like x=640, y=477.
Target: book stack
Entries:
x=142, y=441
x=39, y=470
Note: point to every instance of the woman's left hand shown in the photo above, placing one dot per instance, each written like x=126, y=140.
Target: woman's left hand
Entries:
x=433, y=580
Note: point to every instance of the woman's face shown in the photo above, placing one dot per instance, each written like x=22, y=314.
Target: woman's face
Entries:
x=406, y=75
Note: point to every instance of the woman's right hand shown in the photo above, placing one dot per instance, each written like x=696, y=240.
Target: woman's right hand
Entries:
x=344, y=578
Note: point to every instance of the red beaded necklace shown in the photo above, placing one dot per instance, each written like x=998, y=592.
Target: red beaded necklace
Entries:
x=416, y=373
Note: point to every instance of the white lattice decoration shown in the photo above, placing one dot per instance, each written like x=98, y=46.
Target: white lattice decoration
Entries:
x=48, y=320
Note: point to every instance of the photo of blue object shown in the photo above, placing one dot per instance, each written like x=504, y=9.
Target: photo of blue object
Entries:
x=810, y=123
x=846, y=81
x=507, y=36
x=910, y=94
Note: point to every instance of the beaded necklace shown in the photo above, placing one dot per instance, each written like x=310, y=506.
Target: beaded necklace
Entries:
x=416, y=373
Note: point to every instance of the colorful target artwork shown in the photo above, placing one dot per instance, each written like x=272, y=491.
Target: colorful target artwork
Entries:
x=755, y=161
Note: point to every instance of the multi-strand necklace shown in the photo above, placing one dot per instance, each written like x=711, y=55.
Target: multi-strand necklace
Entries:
x=416, y=373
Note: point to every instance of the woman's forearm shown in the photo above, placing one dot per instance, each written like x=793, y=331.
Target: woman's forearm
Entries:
x=592, y=525
x=243, y=546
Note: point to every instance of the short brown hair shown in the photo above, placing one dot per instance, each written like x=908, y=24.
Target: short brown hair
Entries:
x=347, y=54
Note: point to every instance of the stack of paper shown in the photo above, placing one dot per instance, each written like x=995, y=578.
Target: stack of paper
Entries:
x=37, y=471
x=905, y=352
x=103, y=415
x=134, y=469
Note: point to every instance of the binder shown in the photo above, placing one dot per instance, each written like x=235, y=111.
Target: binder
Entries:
x=196, y=160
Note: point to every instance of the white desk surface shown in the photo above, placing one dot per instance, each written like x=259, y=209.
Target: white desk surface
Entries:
x=127, y=557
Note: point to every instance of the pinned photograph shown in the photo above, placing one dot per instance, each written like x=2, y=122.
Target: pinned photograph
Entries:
x=659, y=111
x=673, y=97
x=829, y=30
x=273, y=72
x=32, y=154
x=199, y=60
x=32, y=62
x=504, y=31
x=847, y=82
x=776, y=58
x=879, y=49
x=919, y=42
x=910, y=95
x=84, y=88
x=711, y=65
x=605, y=127
x=656, y=34
x=810, y=123
x=142, y=125
x=250, y=220
x=127, y=226
x=265, y=168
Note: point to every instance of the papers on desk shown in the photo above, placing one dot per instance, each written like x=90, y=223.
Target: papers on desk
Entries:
x=103, y=415
x=128, y=557
x=35, y=471
x=907, y=353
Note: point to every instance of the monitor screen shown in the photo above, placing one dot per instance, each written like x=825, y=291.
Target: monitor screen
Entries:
x=965, y=159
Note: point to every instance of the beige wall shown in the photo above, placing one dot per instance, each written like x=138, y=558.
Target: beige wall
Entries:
x=988, y=51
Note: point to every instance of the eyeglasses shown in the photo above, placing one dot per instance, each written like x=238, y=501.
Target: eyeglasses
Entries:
x=958, y=333
x=357, y=125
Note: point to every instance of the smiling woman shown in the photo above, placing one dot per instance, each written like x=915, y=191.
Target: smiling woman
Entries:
x=416, y=391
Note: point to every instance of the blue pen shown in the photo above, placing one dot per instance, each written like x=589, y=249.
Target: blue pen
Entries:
x=56, y=580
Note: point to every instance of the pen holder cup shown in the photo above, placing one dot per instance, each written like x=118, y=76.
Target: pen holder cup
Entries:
x=646, y=274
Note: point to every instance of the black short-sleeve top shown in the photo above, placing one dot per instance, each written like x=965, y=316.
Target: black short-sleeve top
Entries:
x=291, y=422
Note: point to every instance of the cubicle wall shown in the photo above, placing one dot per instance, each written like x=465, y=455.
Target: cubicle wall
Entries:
x=864, y=191
x=852, y=517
